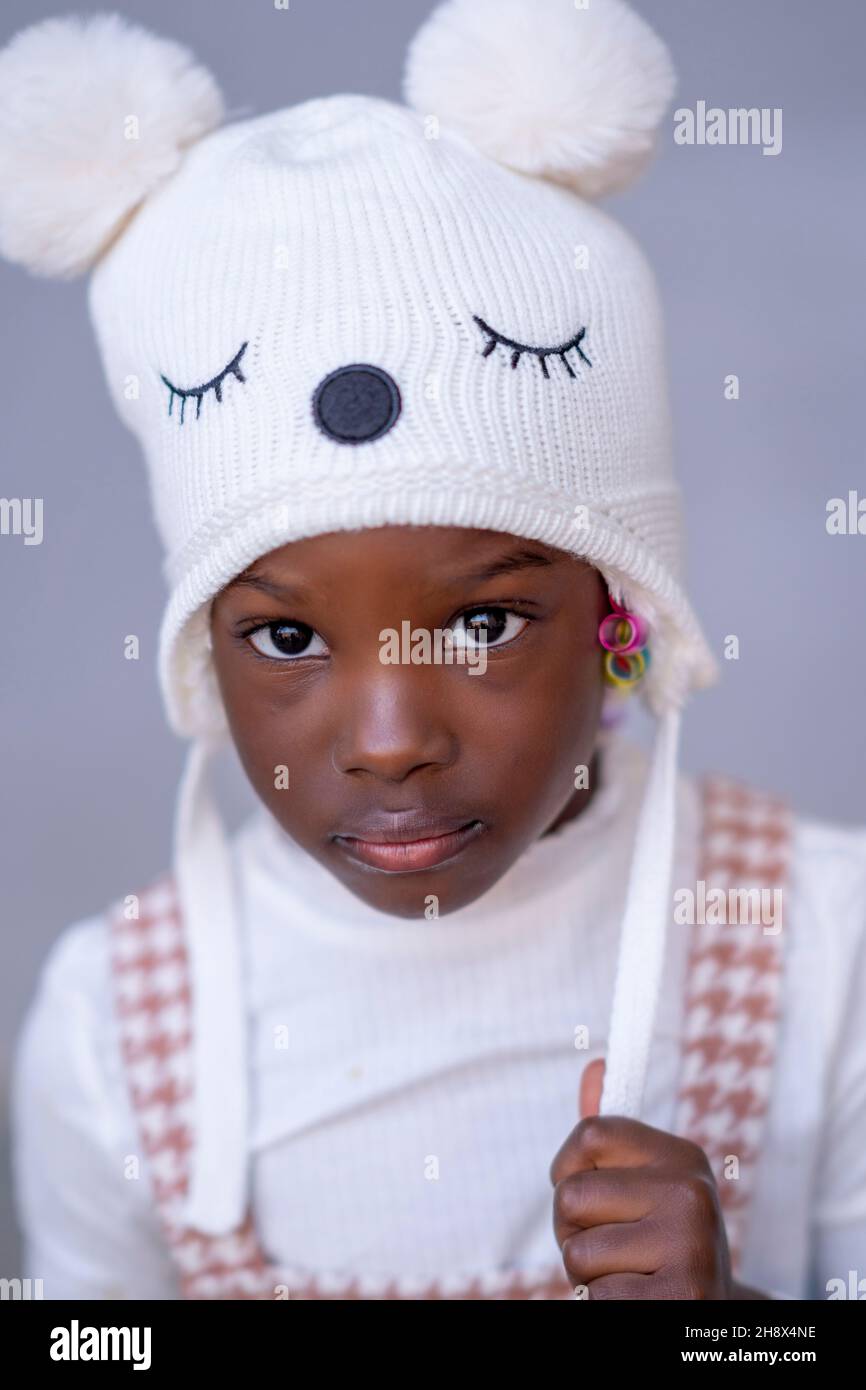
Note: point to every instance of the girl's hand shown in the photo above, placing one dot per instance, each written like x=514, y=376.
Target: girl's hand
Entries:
x=636, y=1211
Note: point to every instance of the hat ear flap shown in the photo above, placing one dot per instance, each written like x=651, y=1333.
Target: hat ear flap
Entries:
x=573, y=94
x=95, y=113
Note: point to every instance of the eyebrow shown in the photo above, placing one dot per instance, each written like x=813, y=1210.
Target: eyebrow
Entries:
x=267, y=586
x=506, y=564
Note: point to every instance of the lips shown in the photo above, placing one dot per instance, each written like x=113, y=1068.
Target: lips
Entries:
x=406, y=841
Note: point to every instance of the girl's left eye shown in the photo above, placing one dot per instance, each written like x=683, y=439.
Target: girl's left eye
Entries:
x=492, y=626
x=286, y=641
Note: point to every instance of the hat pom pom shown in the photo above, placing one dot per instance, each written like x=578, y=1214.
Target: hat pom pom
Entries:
x=568, y=93
x=95, y=113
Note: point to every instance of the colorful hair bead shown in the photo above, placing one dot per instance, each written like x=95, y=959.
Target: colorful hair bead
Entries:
x=622, y=632
x=624, y=669
x=623, y=636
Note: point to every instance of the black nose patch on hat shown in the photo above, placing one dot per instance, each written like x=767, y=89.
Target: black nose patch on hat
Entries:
x=356, y=404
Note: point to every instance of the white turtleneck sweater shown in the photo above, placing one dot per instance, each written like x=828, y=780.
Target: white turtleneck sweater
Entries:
x=412, y=1080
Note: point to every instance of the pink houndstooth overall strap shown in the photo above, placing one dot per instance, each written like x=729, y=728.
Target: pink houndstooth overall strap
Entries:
x=733, y=993
x=152, y=1001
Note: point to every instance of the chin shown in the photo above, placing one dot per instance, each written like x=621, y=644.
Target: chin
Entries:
x=408, y=895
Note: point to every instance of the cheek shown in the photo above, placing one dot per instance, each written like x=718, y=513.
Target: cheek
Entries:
x=263, y=749
x=557, y=733
x=267, y=718
x=558, y=694
x=526, y=735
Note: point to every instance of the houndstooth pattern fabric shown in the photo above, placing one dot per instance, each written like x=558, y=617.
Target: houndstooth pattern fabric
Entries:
x=732, y=1010
x=733, y=997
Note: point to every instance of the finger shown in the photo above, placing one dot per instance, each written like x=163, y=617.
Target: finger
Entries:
x=603, y=1195
x=612, y=1141
x=591, y=1084
x=623, y=1247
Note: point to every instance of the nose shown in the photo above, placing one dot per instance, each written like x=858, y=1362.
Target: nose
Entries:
x=392, y=730
x=356, y=404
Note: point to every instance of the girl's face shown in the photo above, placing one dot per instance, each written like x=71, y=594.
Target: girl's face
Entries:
x=411, y=779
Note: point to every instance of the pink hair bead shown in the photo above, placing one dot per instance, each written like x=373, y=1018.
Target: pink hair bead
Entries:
x=622, y=632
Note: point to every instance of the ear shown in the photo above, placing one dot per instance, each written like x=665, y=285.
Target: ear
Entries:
x=95, y=113
x=546, y=87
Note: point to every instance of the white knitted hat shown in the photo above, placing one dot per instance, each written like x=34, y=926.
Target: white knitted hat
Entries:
x=350, y=313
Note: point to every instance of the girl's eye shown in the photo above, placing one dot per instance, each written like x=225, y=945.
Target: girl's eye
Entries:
x=286, y=641
x=215, y=384
x=492, y=626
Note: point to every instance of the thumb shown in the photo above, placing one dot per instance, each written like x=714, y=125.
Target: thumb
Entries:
x=590, y=1087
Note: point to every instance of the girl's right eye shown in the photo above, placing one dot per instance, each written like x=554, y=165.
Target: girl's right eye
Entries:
x=286, y=641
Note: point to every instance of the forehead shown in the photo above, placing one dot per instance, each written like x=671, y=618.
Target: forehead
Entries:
x=427, y=552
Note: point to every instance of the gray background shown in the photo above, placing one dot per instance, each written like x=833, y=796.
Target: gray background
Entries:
x=761, y=266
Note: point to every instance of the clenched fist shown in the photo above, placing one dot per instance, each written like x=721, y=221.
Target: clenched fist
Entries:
x=636, y=1211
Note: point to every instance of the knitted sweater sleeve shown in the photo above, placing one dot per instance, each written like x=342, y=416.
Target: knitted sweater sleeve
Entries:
x=87, y=1220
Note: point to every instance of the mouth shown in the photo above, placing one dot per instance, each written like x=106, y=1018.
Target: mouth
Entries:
x=398, y=847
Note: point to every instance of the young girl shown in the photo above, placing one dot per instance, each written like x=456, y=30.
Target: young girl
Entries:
x=481, y=1002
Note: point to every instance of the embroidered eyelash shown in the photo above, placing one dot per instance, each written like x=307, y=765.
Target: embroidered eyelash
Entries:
x=518, y=349
x=215, y=385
